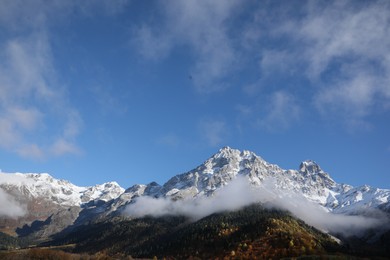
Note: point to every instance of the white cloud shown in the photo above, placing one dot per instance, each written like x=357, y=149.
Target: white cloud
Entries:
x=73, y=125
x=345, y=46
x=24, y=118
x=31, y=99
x=201, y=26
x=63, y=146
x=345, y=29
x=337, y=50
x=152, y=45
x=32, y=151
x=213, y=131
x=32, y=102
x=26, y=68
x=352, y=98
x=316, y=216
x=10, y=207
x=275, y=62
x=281, y=112
x=232, y=197
x=7, y=133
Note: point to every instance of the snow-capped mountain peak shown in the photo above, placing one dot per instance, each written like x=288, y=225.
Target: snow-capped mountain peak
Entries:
x=106, y=191
x=310, y=167
x=62, y=192
x=229, y=154
x=311, y=170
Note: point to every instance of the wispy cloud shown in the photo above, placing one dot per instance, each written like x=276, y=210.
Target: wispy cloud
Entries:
x=199, y=25
x=63, y=146
x=29, y=94
x=352, y=99
x=274, y=62
x=329, y=47
x=345, y=48
x=337, y=51
x=281, y=112
x=32, y=101
x=31, y=151
x=151, y=43
x=31, y=98
x=10, y=207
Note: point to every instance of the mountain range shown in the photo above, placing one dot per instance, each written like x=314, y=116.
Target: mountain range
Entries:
x=43, y=209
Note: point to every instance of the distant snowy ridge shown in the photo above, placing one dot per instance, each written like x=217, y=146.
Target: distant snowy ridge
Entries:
x=62, y=192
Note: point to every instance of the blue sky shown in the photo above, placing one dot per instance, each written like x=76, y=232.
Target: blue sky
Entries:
x=139, y=91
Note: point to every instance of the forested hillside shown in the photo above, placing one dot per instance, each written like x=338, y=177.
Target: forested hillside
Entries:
x=251, y=232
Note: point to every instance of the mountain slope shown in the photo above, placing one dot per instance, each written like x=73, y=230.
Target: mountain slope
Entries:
x=43, y=206
x=246, y=233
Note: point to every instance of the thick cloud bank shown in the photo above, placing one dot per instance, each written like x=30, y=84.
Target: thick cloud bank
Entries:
x=240, y=193
x=9, y=207
x=233, y=196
